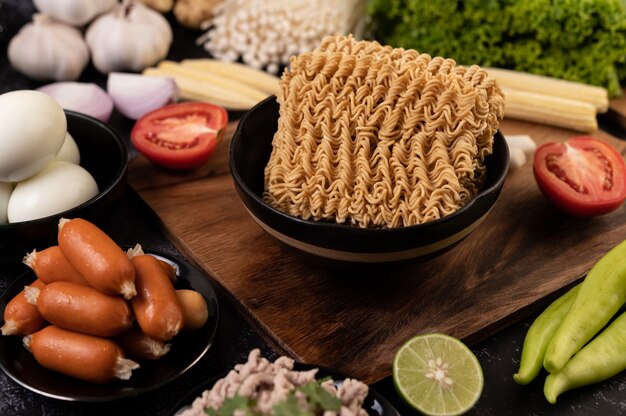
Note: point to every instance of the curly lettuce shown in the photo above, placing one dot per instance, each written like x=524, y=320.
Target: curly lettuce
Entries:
x=578, y=40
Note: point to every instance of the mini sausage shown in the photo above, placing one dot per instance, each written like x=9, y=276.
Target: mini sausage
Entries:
x=83, y=309
x=139, y=346
x=86, y=357
x=50, y=265
x=156, y=306
x=96, y=257
x=195, y=309
x=170, y=268
x=21, y=317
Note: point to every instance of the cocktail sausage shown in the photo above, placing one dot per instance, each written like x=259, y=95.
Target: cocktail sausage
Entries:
x=50, y=265
x=139, y=346
x=21, y=317
x=96, y=257
x=86, y=357
x=83, y=309
x=156, y=306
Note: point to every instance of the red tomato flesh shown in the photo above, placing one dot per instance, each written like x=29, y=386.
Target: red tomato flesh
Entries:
x=582, y=176
x=180, y=136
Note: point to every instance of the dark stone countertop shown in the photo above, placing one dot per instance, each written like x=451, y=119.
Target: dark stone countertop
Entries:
x=133, y=221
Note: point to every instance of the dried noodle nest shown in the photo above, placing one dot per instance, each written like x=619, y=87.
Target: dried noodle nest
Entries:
x=379, y=137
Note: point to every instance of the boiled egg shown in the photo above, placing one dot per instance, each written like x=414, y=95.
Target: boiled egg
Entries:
x=32, y=131
x=58, y=187
x=5, y=193
x=69, y=151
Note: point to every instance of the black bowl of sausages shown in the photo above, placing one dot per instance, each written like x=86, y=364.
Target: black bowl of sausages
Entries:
x=90, y=322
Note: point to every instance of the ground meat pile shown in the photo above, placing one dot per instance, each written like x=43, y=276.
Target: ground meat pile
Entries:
x=271, y=383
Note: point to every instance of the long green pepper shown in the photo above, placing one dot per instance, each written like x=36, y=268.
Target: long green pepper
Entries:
x=602, y=358
x=599, y=298
x=539, y=335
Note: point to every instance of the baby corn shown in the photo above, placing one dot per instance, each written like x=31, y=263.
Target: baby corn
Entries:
x=596, y=96
x=551, y=110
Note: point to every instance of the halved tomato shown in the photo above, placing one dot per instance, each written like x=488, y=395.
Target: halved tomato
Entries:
x=180, y=136
x=582, y=176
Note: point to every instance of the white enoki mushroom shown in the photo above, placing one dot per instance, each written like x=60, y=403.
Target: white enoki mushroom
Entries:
x=266, y=33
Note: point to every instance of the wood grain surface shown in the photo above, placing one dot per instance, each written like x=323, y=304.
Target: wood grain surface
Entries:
x=353, y=318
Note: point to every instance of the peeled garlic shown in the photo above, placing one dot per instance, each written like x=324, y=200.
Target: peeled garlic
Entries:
x=131, y=37
x=47, y=50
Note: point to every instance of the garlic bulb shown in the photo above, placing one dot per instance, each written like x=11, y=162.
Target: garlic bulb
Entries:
x=74, y=12
x=131, y=37
x=47, y=50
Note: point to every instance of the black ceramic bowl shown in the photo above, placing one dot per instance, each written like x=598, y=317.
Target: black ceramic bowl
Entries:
x=103, y=153
x=249, y=152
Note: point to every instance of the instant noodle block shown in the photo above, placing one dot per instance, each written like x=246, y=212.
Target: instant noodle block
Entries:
x=372, y=154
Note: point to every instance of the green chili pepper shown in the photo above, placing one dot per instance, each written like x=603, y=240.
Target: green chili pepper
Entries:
x=600, y=359
x=540, y=334
x=600, y=296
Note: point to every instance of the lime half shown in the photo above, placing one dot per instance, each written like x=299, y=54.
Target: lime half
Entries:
x=437, y=375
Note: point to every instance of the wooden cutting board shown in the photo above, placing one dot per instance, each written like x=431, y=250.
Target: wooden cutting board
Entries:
x=354, y=318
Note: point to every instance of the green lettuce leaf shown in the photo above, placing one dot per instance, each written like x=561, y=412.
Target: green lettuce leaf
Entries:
x=582, y=41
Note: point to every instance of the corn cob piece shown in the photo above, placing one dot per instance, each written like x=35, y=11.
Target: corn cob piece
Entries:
x=596, y=96
x=215, y=79
x=238, y=72
x=551, y=110
x=193, y=89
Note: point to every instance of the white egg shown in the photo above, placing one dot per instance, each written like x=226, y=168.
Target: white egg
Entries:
x=5, y=193
x=32, y=130
x=58, y=187
x=69, y=151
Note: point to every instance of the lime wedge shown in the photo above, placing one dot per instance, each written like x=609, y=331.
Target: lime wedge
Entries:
x=437, y=375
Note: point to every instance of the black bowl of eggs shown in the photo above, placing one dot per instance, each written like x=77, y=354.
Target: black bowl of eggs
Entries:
x=250, y=152
x=55, y=164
